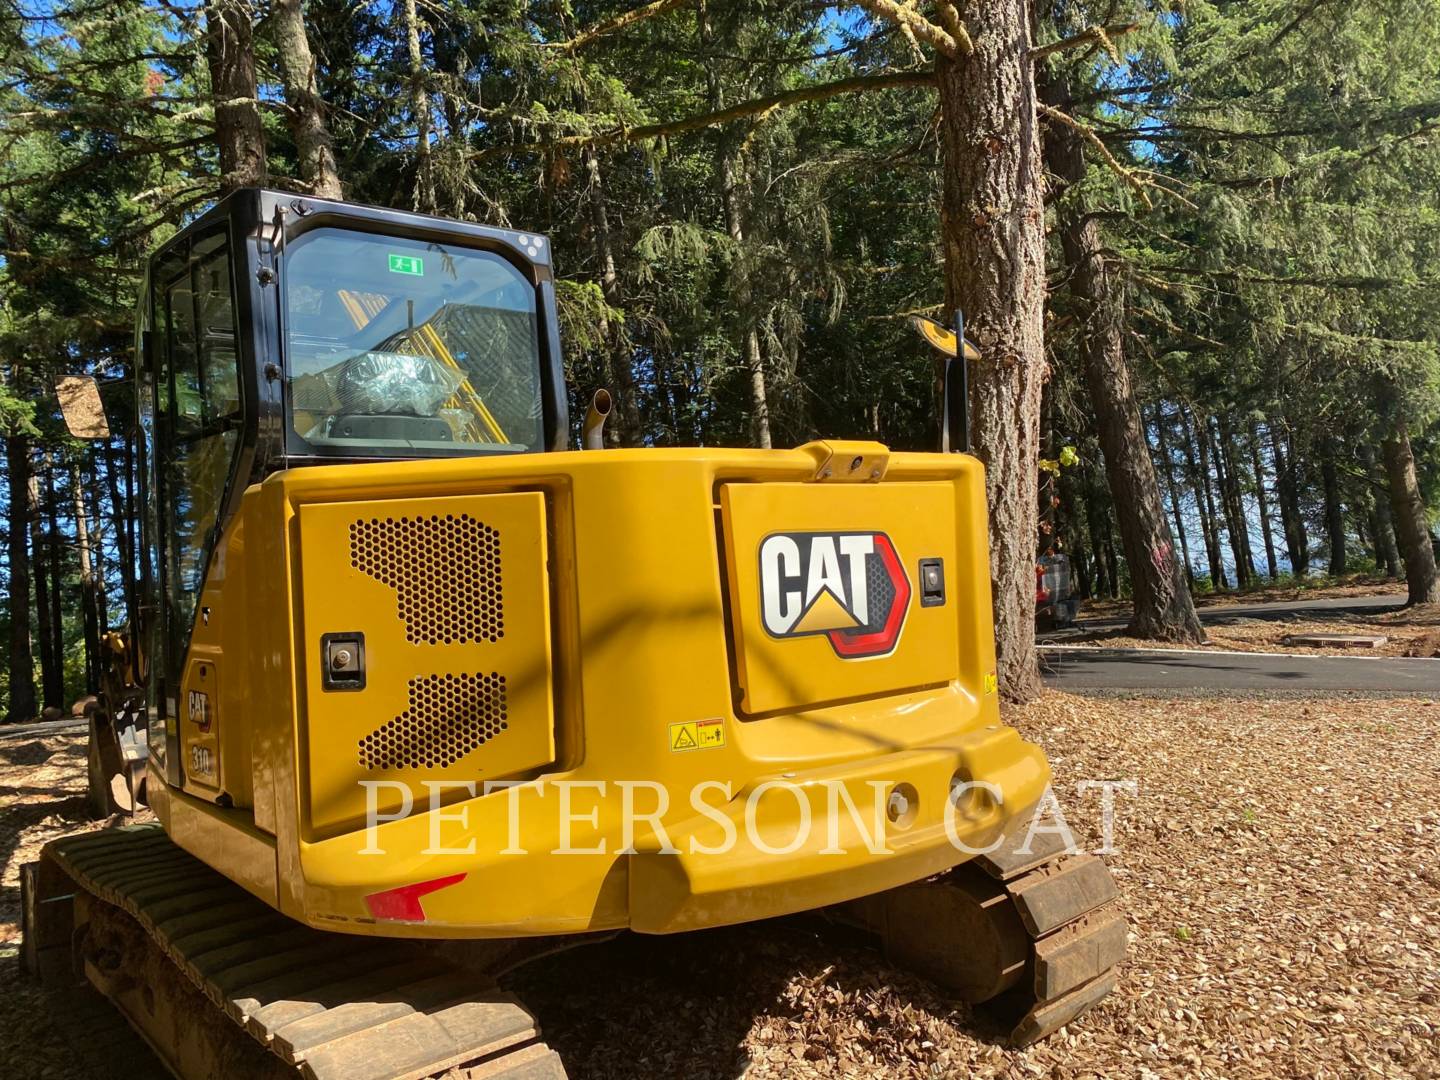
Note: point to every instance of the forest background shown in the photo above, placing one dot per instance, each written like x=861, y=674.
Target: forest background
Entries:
x=1197, y=244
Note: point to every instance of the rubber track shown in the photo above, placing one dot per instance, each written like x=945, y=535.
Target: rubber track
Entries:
x=328, y=1006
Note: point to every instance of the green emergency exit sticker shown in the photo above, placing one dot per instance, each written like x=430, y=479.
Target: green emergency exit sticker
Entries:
x=407, y=264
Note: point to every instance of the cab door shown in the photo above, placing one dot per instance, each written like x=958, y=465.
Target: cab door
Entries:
x=198, y=422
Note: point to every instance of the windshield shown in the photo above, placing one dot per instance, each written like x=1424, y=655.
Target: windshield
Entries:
x=396, y=346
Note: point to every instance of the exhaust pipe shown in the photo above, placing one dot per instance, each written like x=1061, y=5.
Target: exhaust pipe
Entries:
x=592, y=434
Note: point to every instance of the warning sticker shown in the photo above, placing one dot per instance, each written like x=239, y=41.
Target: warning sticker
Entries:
x=697, y=735
x=991, y=683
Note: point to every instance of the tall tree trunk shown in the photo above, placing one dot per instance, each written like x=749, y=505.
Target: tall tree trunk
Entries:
x=446, y=56
x=50, y=676
x=305, y=112
x=420, y=107
x=1167, y=466
x=1235, y=494
x=1287, y=490
x=90, y=588
x=1387, y=550
x=731, y=169
x=1387, y=553
x=1411, y=524
x=993, y=223
x=1233, y=520
x=1097, y=529
x=1163, y=609
x=1070, y=501
x=1372, y=529
x=1334, y=507
x=22, y=704
x=627, y=427
x=1199, y=439
x=1361, y=523
x=754, y=359
x=1263, y=499
x=1112, y=562
x=57, y=587
x=1047, y=492
x=230, y=54
x=120, y=515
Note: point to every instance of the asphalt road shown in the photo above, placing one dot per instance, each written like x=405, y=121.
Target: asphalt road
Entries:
x=69, y=726
x=1089, y=669
x=1094, y=669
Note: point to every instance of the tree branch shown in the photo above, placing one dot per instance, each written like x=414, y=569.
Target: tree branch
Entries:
x=738, y=111
x=950, y=19
x=1091, y=35
x=904, y=16
x=1093, y=139
x=1300, y=16
x=1364, y=284
x=609, y=26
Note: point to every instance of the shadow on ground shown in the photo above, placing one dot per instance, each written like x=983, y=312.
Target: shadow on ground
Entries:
x=703, y=1005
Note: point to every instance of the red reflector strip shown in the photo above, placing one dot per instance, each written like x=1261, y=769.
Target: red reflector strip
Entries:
x=403, y=904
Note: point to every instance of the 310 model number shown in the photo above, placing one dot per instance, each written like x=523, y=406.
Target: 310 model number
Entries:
x=201, y=761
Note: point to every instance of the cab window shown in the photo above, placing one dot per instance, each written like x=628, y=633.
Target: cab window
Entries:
x=399, y=347
x=197, y=388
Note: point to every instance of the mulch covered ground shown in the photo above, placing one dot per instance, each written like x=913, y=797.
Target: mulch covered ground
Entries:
x=1350, y=587
x=1280, y=864
x=1413, y=632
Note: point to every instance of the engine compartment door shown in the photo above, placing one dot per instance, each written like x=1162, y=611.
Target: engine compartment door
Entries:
x=425, y=652
x=840, y=591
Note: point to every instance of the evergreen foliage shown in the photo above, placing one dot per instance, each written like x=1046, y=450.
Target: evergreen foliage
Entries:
x=744, y=205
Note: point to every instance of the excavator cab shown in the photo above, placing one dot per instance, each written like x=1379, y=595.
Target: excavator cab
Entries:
x=277, y=332
x=415, y=670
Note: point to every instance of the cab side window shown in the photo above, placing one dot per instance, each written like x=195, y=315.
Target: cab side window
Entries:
x=198, y=407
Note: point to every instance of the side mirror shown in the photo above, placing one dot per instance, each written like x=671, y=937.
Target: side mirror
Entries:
x=81, y=406
x=956, y=355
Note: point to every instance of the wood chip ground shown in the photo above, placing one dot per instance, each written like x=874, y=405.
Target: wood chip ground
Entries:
x=1413, y=633
x=1279, y=866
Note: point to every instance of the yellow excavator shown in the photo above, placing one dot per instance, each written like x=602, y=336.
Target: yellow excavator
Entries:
x=421, y=693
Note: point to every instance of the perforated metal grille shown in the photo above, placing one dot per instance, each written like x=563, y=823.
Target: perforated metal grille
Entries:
x=449, y=716
x=445, y=572
x=880, y=590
